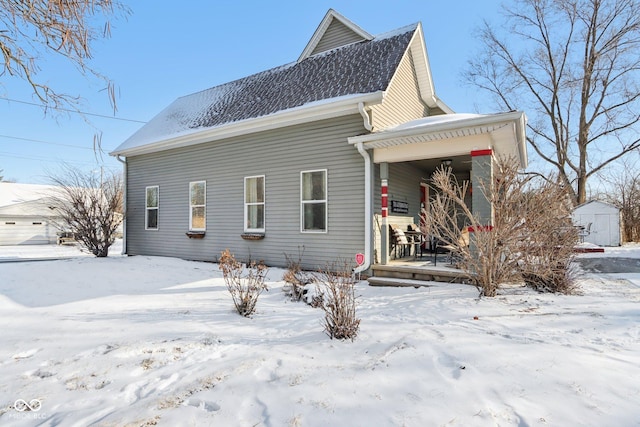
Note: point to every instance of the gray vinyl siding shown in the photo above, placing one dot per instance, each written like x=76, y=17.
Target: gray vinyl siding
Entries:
x=402, y=102
x=336, y=35
x=404, y=186
x=279, y=155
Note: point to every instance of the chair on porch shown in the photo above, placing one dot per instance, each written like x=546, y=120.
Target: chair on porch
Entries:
x=416, y=236
x=400, y=241
x=453, y=250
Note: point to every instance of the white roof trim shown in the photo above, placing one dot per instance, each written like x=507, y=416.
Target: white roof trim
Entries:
x=418, y=50
x=306, y=113
x=448, y=126
x=322, y=28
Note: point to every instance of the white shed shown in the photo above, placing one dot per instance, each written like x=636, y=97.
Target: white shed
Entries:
x=601, y=222
x=25, y=218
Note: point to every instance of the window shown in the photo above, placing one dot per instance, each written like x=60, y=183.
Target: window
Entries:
x=197, y=206
x=313, y=195
x=151, y=211
x=254, y=204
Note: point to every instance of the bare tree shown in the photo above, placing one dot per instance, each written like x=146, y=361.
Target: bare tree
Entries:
x=624, y=193
x=530, y=235
x=573, y=66
x=32, y=30
x=90, y=206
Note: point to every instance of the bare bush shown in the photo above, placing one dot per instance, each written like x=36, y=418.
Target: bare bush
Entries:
x=245, y=283
x=546, y=252
x=297, y=279
x=339, y=301
x=530, y=232
x=89, y=205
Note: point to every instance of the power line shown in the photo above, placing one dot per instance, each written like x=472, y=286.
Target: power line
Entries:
x=73, y=111
x=43, y=159
x=45, y=142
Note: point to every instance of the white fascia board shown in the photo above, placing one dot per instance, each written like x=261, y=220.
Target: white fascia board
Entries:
x=306, y=113
x=516, y=119
x=418, y=49
x=440, y=127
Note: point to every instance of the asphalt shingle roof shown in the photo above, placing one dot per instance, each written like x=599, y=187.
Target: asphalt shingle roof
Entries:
x=359, y=68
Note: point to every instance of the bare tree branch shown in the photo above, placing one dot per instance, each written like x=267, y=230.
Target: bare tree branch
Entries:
x=576, y=72
x=33, y=30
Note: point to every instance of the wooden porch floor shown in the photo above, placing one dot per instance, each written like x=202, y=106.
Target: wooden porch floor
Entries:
x=416, y=272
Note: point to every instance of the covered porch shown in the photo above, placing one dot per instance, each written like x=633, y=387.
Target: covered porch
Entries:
x=403, y=160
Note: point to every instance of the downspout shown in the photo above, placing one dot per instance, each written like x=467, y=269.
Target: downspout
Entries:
x=365, y=116
x=368, y=195
x=124, y=203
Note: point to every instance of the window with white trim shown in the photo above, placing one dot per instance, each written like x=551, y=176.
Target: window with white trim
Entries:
x=254, y=204
x=197, y=206
x=152, y=206
x=313, y=201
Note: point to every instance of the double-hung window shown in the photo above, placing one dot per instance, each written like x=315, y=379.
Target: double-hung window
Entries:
x=313, y=201
x=152, y=205
x=254, y=204
x=197, y=206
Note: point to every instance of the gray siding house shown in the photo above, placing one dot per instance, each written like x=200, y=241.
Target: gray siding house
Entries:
x=306, y=154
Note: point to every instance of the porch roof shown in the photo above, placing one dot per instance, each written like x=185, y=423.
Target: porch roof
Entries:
x=450, y=135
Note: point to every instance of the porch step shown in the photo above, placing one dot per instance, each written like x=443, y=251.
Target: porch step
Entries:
x=400, y=283
x=421, y=274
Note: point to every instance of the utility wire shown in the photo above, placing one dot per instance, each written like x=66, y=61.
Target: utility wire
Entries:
x=45, y=142
x=43, y=159
x=73, y=111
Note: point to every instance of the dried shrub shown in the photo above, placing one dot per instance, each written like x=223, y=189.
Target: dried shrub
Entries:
x=547, y=253
x=339, y=301
x=298, y=281
x=530, y=236
x=245, y=283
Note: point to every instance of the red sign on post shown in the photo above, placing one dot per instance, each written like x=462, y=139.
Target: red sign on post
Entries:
x=360, y=259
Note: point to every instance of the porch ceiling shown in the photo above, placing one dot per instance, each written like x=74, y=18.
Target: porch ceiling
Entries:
x=449, y=135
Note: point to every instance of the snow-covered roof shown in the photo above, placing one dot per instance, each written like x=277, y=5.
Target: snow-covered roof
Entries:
x=599, y=205
x=435, y=120
x=355, y=69
x=506, y=130
x=13, y=193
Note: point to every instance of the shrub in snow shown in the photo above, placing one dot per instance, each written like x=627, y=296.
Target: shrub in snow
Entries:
x=339, y=302
x=529, y=237
x=245, y=283
x=297, y=280
x=546, y=261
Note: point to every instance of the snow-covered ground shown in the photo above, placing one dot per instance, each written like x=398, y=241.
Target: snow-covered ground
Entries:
x=139, y=341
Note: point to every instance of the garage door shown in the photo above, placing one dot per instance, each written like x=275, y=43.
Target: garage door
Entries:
x=18, y=231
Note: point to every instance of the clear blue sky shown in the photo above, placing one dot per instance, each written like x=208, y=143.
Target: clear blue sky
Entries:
x=165, y=50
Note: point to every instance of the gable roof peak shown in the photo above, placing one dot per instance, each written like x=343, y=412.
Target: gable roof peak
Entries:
x=332, y=23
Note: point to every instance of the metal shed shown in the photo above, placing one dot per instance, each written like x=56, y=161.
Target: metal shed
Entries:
x=600, y=222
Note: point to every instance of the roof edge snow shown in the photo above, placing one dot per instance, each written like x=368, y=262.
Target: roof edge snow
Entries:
x=319, y=110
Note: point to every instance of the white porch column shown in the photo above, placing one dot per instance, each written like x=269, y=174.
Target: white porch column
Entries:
x=481, y=177
x=384, y=233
